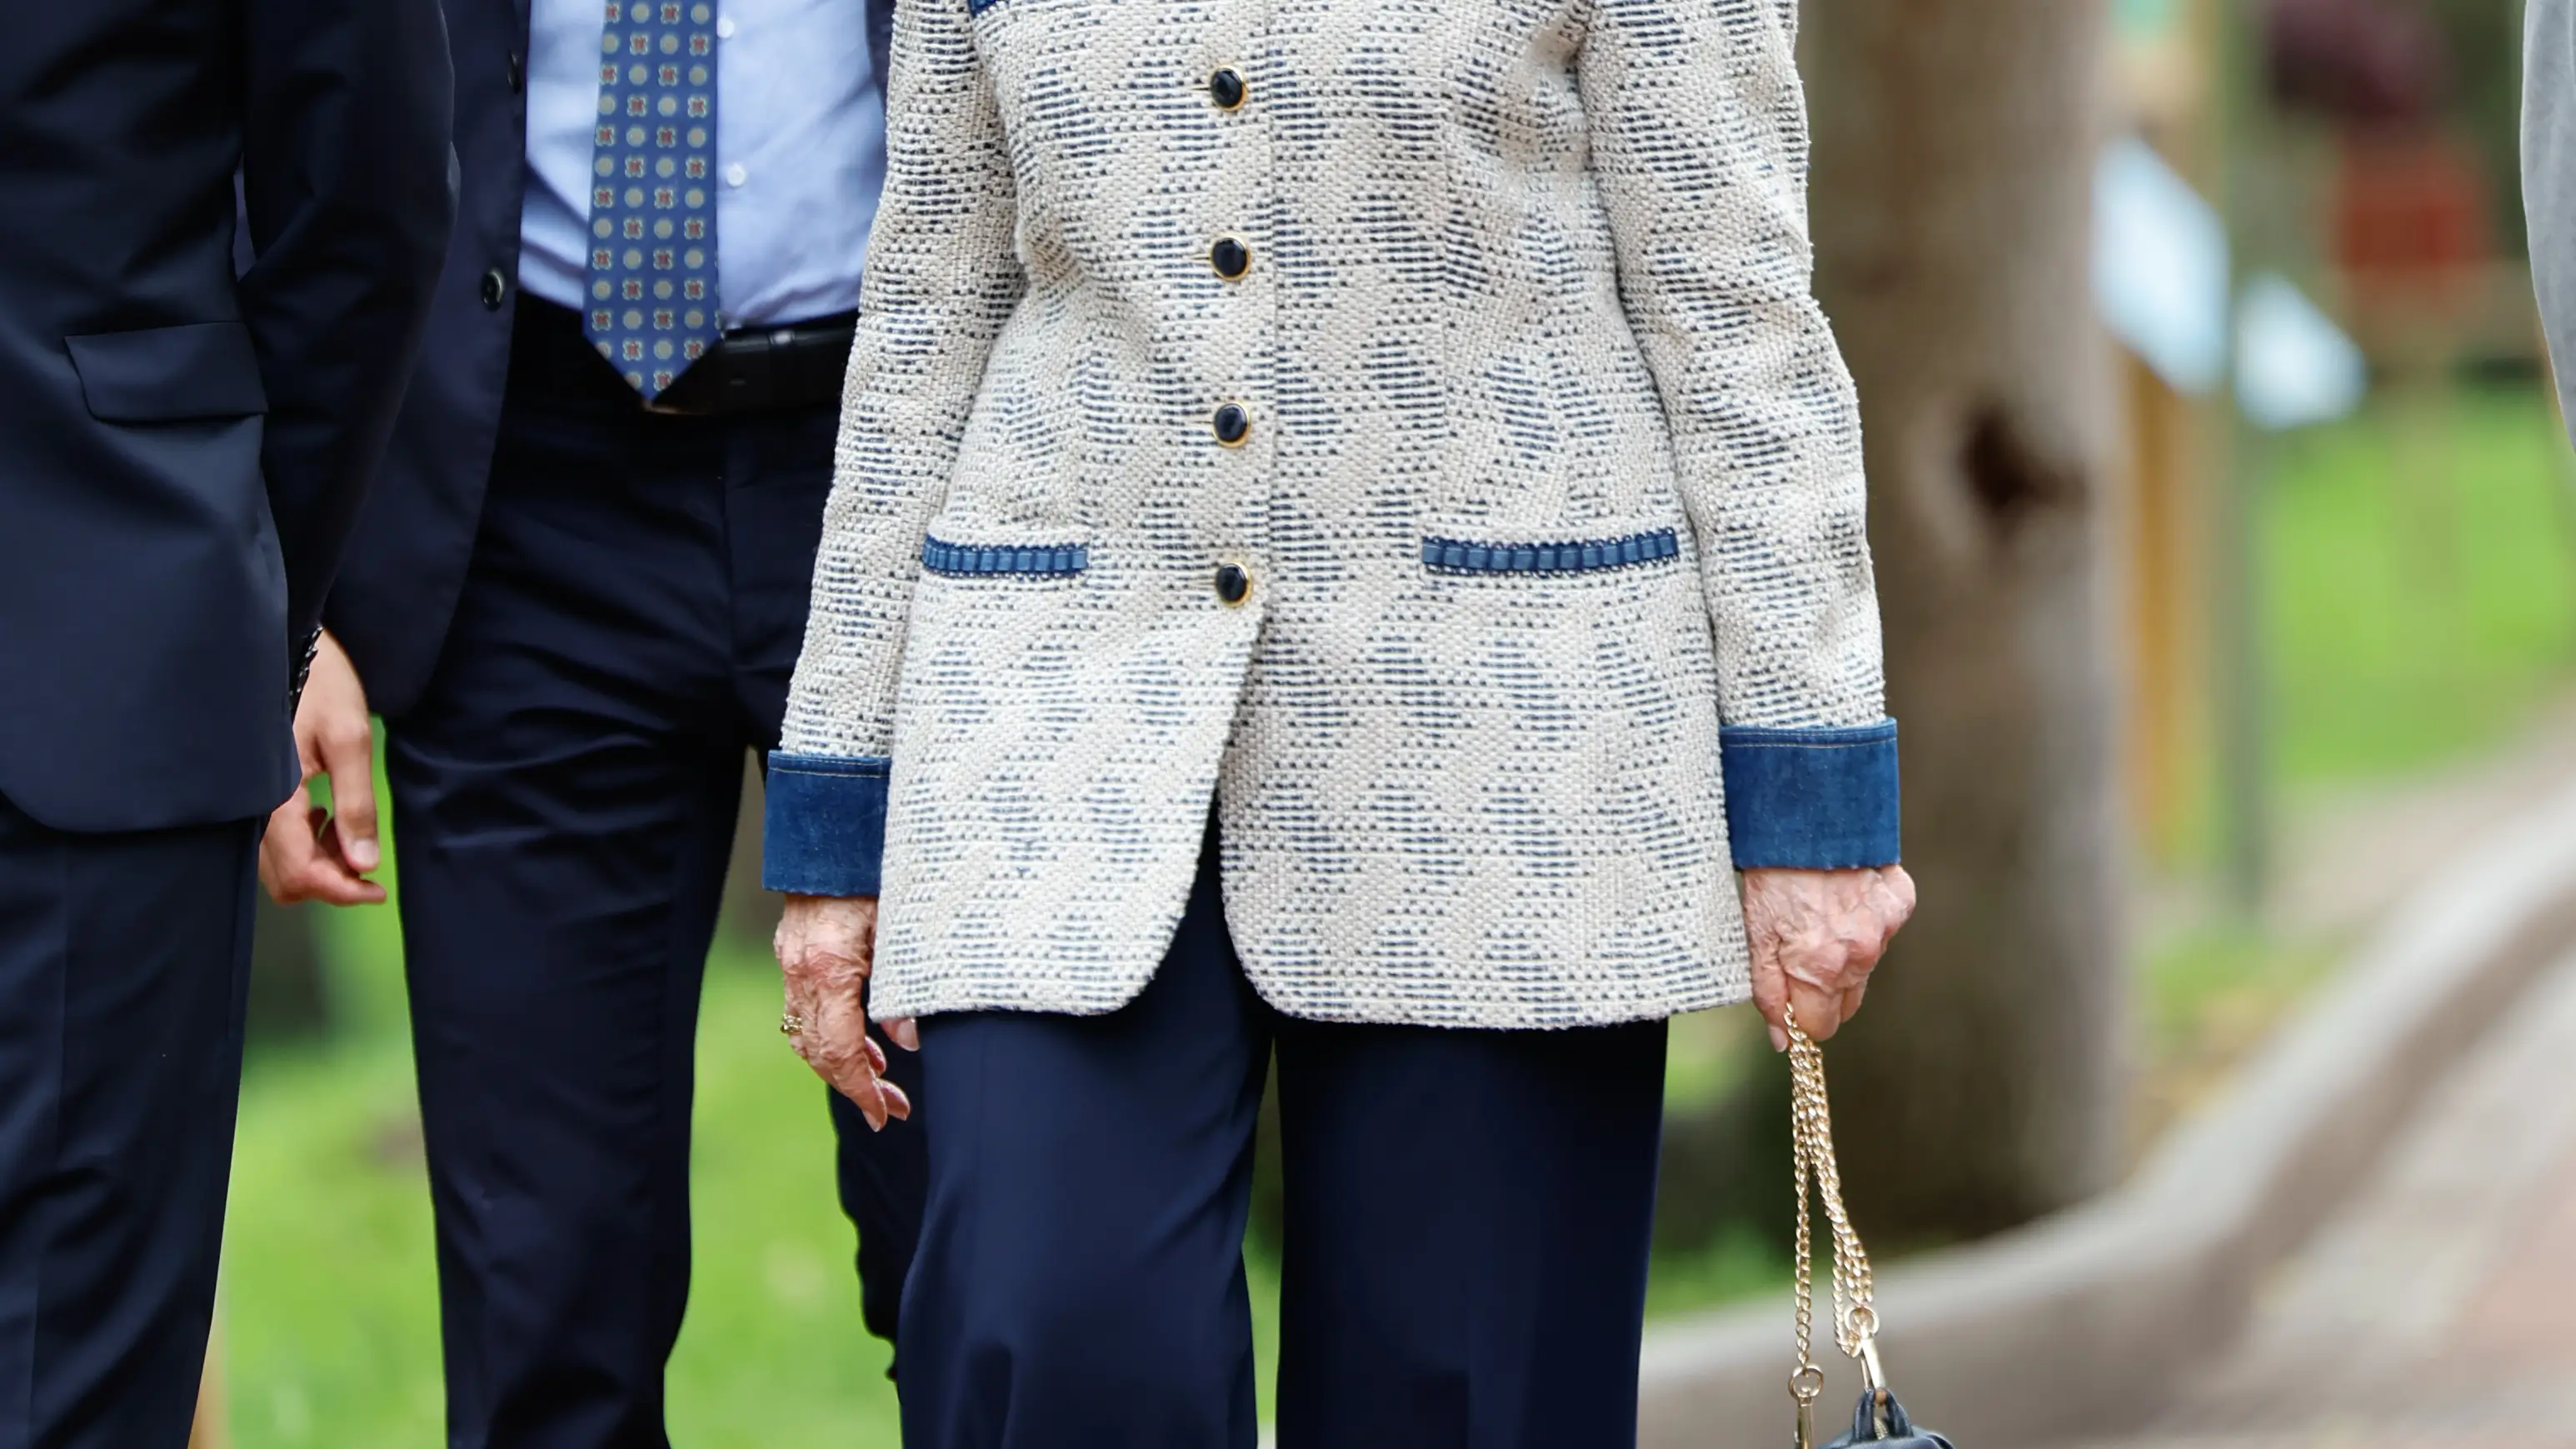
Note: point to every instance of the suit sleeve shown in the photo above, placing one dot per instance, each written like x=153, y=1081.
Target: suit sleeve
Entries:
x=943, y=276
x=1699, y=145
x=2549, y=178
x=348, y=191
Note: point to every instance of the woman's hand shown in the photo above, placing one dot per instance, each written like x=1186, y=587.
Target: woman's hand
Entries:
x=1816, y=934
x=826, y=945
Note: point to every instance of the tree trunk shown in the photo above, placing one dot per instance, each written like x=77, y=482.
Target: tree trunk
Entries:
x=1954, y=142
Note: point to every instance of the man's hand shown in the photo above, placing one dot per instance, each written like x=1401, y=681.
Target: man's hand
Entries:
x=826, y=946
x=312, y=854
x=1816, y=935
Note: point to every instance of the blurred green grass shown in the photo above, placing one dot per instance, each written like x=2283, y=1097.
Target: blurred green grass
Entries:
x=2421, y=598
x=2420, y=581
x=330, y=1304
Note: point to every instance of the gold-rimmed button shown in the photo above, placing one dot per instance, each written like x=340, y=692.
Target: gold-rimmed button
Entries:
x=1233, y=584
x=1231, y=424
x=1226, y=88
x=1230, y=257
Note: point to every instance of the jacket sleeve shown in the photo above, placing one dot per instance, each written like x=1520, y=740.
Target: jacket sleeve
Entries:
x=1699, y=145
x=943, y=275
x=348, y=195
x=2549, y=178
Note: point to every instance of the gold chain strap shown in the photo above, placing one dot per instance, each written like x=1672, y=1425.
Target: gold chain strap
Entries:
x=1812, y=1155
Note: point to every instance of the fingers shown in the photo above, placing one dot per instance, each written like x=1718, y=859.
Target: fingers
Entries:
x=1851, y=998
x=855, y=1063
x=338, y=883
x=283, y=845
x=300, y=859
x=1819, y=1008
x=347, y=745
x=905, y=1032
x=824, y=950
x=1771, y=992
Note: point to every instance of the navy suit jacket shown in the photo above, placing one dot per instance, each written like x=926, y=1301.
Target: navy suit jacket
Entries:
x=408, y=560
x=183, y=450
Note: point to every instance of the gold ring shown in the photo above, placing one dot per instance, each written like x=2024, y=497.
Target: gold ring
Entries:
x=791, y=1024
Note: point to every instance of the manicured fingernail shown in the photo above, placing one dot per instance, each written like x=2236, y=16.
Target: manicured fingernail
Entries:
x=363, y=853
x=1779, y=1040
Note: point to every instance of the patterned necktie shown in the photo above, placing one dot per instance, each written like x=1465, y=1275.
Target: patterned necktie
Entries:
x=652, y=203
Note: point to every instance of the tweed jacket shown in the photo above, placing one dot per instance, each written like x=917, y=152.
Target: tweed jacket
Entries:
x=1403, y=422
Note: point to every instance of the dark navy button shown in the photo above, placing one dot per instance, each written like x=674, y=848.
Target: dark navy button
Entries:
x=1226, y=88
x=1230, y=257
x=1232, y=424
x=495, y=287
x=518, y=73
x=1233, y=585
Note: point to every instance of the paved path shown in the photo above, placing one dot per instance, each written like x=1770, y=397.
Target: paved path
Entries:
x=2439, y=1307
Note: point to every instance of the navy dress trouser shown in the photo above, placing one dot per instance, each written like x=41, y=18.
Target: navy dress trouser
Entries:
x=1468, y=1217
x=123, y=961
x=564, y=797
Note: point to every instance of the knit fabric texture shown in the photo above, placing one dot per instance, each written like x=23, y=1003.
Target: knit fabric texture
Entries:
x=1526, y=277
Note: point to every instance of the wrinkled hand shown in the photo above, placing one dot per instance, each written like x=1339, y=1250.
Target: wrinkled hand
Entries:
x=826, y=946
x=313, y=854
x=1816, y=935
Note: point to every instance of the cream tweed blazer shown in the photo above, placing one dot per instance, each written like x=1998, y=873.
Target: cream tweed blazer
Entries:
x=1404, y=422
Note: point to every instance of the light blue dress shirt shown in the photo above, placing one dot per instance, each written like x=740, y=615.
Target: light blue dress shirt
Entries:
x=800, y=154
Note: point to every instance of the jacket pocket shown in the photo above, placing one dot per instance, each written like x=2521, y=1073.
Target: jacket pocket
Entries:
x=194, y=371
x=1464, y=556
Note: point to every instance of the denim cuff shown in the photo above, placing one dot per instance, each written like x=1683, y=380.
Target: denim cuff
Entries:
x=824, y=830
x=1812, y=799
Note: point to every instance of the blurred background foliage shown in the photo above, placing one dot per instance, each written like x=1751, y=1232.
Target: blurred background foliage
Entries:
x=2415, y=610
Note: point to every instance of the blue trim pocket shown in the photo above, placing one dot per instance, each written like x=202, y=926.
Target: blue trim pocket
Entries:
x=968, y=560
x=1812, y=799
x=823, y=830
x=1460, y=556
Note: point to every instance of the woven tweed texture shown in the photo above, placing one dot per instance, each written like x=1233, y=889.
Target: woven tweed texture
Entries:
x=1524, y=272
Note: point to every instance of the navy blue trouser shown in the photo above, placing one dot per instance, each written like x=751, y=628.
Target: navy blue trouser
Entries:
x=123, y=961
x=564, y=797
x=1468, y=1214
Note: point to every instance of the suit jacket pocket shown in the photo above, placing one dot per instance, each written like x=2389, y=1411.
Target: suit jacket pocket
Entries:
x=195, y=371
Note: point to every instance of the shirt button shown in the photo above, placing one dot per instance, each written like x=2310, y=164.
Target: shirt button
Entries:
x=735, y=175
x=518, y=73
x=1233, y=584
x=1232, y=424
x=1230, y=257
x=495, y=288
x=1226, y=88
x=724, y=27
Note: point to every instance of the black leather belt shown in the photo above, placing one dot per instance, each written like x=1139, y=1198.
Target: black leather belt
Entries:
x=758, y=368
x=755, y=369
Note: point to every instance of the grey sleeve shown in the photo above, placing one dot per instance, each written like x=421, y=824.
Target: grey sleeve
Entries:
x=2549, y=178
